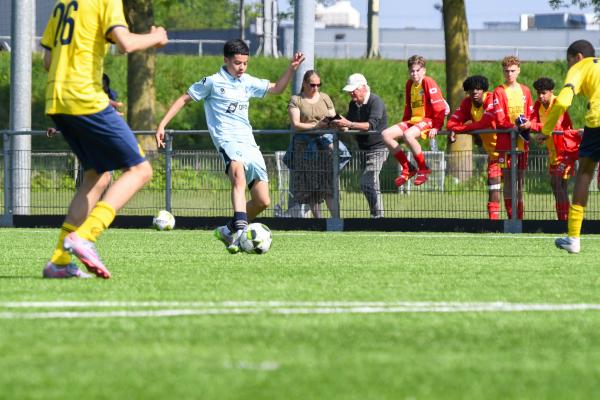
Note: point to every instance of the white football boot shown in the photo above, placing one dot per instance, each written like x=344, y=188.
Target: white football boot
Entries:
x=570, y=244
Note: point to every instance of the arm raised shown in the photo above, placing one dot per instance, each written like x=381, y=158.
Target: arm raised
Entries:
x=279, y=86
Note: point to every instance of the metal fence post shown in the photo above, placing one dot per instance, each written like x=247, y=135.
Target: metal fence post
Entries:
x=514, y=225
x=168, y=169
x=335, y=223
x=7, y=217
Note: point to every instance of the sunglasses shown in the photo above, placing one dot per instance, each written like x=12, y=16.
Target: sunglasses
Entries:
x=314, y=85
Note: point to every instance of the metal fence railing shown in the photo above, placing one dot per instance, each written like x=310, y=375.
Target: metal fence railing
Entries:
x=192, y=182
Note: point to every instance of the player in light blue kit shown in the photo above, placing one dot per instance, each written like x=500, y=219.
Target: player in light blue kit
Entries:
x=226, y=96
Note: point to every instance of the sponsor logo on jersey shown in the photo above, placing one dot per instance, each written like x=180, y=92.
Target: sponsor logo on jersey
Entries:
x=232, y=107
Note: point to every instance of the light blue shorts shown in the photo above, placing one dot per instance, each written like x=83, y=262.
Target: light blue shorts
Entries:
x=250, y=155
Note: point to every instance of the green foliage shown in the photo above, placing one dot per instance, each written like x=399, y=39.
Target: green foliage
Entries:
x=4, y=89
x=196, y=14
x=174, y=74
x=580, y=3
x=51, y=180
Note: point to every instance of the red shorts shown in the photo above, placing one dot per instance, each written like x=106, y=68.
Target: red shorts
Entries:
x=424, y=126
x=493, y=168
x=564, y=167
x=504, y=159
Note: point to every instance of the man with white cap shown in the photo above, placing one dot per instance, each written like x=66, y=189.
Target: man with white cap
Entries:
x=366, y=112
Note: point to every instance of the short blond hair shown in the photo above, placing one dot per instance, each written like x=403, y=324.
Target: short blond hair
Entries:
x=416, y=59
x=511, y=60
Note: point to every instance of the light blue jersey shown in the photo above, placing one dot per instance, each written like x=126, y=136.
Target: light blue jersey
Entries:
x=226, y=101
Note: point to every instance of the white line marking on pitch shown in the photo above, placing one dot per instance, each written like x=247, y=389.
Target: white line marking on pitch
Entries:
x=521, y=236
x=433, y=236
x=271, y=307
x=274, y=304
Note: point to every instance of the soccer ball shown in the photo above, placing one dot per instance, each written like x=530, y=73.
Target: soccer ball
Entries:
x=257, y=239
x=164, y=221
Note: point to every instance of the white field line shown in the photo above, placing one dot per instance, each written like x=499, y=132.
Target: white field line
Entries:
x=521, y=236
x=274, y=304
x=273, y=308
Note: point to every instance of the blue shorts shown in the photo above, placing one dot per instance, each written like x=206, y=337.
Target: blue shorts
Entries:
x=590, y=144
x=101, y=141
x=250, y=155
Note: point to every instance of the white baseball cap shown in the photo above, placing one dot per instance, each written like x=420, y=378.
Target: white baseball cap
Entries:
x=354, y=81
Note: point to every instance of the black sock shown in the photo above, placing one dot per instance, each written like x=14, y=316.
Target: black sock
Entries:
x=240, y=221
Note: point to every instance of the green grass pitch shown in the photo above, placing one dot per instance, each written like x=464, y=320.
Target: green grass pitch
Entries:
x=321, y=316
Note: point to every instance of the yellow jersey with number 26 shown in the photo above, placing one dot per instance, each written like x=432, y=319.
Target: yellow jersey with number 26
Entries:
x=76, y=36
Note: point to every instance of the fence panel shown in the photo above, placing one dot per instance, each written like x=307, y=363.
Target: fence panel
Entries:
x=457, y=187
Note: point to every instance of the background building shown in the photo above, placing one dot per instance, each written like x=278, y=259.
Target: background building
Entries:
x=535, y=37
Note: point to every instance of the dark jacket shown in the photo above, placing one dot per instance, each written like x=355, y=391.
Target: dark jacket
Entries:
x=373, y=112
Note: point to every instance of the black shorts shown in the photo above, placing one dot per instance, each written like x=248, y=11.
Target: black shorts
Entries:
x=590, y=144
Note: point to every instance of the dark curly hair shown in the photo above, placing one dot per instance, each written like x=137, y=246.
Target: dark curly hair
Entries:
x=476, y=82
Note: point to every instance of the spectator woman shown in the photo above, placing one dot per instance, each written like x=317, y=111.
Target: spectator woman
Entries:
x=311, y=156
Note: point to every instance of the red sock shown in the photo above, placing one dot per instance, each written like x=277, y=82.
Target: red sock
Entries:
x=562, y=211
x=508, y=206
x=520, y=210
x=493, y=209
x=420, y=158
x=401, y=157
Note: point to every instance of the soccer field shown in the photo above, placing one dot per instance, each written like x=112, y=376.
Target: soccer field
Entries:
x=321, y=316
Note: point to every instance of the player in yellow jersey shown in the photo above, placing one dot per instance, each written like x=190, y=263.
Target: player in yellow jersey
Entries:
x=583, y=77
x=76, y=40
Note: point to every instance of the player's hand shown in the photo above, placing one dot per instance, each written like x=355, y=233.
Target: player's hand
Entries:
x=433, y=133
x=580, y=132
x=116, y=105
x=161, y=35
x=452, y=137
x=297, y=60
x=51, y=132
x=525, y=126
x=160, y=137
x=540, y=138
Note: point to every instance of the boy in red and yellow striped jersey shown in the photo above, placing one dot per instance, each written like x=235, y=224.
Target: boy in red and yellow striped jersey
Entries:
x=511, y=101
x=562, y=148
x=424, y=114
x=476, y=112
